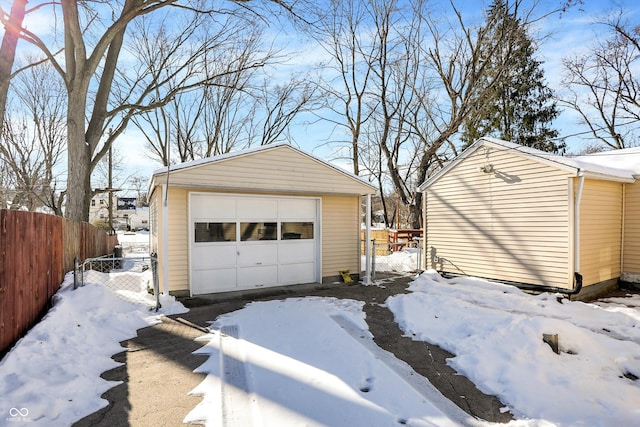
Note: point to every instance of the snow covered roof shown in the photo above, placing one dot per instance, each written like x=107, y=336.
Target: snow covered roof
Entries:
x=616, y=165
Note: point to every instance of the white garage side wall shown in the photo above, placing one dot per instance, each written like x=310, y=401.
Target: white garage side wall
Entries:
x=512, y=223
x=340, y=236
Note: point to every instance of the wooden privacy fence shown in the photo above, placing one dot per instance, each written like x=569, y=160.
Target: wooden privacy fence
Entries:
x=36, y=250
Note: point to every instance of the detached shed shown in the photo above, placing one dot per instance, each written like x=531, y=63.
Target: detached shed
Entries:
x=506, y=212
x=263, y=217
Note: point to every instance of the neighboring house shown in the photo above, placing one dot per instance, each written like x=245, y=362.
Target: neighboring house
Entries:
x=126, y=215
x=511, y=213
x=268, y=216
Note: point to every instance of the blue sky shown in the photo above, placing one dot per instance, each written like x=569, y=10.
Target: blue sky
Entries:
x=567, y=34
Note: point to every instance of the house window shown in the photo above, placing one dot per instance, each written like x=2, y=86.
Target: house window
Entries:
x=102, y=201
x=215, y=232
x=101, y=216
x=258, y=231
x=296, y=230
x=93, y=202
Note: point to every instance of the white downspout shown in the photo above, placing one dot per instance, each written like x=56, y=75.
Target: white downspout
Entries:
x=165, y=240
x=367, y=242
x=576, y=223
x=623, y=226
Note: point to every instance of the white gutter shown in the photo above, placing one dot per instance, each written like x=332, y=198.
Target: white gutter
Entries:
x=165, y=240
x=576, y=223
x=367, y=243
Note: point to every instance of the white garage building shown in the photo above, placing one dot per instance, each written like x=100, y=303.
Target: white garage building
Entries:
x=263, y=217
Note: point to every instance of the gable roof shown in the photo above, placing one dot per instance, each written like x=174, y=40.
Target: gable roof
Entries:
x=604, y=166
x=299, y=167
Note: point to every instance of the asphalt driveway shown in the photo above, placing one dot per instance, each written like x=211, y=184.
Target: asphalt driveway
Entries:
x=157, y=371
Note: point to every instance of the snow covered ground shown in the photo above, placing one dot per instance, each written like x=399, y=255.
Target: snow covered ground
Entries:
x=312, y=361
x=404, y=261
x=496, y=332
x=52, y=375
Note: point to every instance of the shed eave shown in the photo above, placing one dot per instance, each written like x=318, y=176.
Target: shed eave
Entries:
x=559, y=162
x=242, y=189
x=606, y=177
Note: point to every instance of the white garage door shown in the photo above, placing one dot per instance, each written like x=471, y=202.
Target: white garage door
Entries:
x=247, y=242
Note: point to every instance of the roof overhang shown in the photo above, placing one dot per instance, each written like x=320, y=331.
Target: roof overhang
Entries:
x=574, y=167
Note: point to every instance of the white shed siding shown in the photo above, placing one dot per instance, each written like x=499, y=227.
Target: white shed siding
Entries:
x=510, y=224
x=631, y=262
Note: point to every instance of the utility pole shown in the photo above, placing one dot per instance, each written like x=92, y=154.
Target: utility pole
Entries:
x=110, y=187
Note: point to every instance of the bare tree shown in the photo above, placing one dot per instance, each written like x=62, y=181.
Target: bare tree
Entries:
x=425, y=75
x=280, y=104
x=34, y=138
x=206, y=120
x=94, y=36
x=602, y=84
x=12, y=23
x=343, y=34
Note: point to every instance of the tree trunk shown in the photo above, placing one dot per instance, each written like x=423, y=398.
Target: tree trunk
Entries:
x=78, y=162
x=8, y=51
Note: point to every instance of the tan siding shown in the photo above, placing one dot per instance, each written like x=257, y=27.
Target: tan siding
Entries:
x=632, y=229
x=155, y=225
x=340, y=234
x=511, y=224
x=600, y=231
x=178, y=245
x=281, y=169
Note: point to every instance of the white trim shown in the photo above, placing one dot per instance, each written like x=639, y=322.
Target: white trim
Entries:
x=576, y=224
x=367, y=243
x=319, y=253
x=623, y=226
x=581, y=165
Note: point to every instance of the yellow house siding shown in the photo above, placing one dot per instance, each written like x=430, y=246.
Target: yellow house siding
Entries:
x=340, y=235
x=600, y=231
x=280, y=169
x=631, y=252
x=155, y=224
x=510, y=224
x=178, y=245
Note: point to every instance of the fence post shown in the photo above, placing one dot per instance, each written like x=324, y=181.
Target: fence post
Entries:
x=419, y=261
x=373, y=260
x=156, y=282
x=76, y=272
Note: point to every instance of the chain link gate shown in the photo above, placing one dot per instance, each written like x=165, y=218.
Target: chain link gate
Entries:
x=134, y=279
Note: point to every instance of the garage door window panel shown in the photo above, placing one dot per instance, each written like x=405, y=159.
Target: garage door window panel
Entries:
x=297, y=230
x=250, y=231
x=215, y=232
